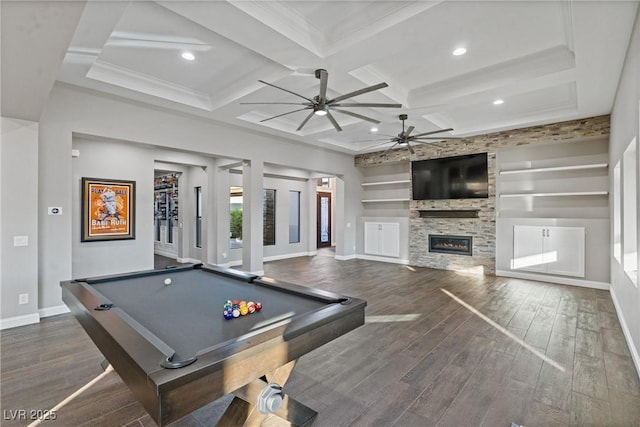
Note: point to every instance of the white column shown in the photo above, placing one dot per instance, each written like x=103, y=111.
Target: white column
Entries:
x=252, y=200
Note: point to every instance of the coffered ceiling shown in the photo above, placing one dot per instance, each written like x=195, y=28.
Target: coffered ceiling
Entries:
x=548, y=61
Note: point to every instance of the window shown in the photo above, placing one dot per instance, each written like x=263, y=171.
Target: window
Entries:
x=617, y=199
x=235, y=218
x=198, y=197
x=629, y=212
x=294, y=217
x=269, y=217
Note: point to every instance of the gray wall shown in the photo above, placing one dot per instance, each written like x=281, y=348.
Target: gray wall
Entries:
x=71, y=112
x=18, y=217
x=625, y=127
x=113, y=160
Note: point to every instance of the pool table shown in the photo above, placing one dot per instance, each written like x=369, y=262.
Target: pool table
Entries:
x=170, y=343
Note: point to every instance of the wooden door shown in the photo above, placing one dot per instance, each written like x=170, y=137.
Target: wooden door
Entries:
x=323, y=225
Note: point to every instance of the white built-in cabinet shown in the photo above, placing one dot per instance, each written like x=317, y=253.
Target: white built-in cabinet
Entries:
x=382, y=238
x=550, y=250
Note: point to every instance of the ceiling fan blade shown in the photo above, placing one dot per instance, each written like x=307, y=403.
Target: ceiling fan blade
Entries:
x=434, y=138
x=284, y=114
x=374, y=140
x=287, y=90
x=408, y=132
x=333, y=122
x=390, y=148
x=275, y=103
x=360, y=116
x=324, y=76
x=358, y=92
x=375, y=145
x=410, y=148
x=304, y=122
x=367, y=104
x=433, y=132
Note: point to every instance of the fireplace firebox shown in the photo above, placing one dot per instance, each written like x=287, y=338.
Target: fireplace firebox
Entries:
x=459, y=245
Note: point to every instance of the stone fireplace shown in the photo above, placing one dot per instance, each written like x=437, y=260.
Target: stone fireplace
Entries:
x=445, y=244
x=453, y=234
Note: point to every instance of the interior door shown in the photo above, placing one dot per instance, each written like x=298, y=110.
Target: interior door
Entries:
x=323, y=227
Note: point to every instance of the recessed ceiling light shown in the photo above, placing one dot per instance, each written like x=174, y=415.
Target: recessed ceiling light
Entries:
x=188, y=56
x=498, y=102
x=373, y=129
x=459, y=51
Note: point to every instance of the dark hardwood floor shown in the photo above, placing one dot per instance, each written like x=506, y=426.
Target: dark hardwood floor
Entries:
x=439, y=348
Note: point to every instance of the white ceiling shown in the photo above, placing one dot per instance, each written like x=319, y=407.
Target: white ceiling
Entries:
x=549, y=61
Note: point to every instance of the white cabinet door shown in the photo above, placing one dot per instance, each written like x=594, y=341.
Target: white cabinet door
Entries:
x=382, y=238
x=390, y=239
x=564, y=250
x=552, y=250
x=527, y=248
x=372, y=238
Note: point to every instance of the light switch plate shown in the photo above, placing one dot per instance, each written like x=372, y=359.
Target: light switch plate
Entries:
x=20, y=240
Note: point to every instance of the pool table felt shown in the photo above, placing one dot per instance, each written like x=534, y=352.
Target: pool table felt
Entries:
x=188, y=314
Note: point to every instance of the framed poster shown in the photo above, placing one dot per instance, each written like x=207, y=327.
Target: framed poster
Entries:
x=108, y=209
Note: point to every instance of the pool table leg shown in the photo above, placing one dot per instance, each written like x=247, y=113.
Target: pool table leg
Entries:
x=243, y=409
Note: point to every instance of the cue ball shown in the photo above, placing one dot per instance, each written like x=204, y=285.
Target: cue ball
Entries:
x=167, y=281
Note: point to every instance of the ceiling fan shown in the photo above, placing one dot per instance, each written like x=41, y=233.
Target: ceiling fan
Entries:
x=405, y=138
x=321, y=106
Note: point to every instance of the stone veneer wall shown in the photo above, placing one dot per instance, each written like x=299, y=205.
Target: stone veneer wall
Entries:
x=483, y=228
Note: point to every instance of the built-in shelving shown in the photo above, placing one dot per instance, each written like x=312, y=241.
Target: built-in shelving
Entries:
x=555, y=168
x=401, y=181
x=386, y=190
x=383, y=200
x=567, y=194
x=554, y=180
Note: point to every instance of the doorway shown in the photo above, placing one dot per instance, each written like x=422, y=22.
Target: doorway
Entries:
x=323, y=203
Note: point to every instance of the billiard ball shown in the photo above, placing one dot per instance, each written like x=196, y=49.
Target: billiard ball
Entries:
x=258, y=306
x=167, y=281
x=244, y=310
x=251, y=308
x=228, y=314
x=236, y=312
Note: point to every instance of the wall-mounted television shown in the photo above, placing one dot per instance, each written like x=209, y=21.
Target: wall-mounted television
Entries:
x=459, y=177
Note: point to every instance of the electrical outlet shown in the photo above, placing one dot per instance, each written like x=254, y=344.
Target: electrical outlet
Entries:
x=23, y=299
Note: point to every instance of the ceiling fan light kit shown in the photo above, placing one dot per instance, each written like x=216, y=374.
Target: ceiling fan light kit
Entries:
x=321, y=106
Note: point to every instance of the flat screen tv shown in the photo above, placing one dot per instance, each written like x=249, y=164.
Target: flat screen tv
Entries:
x=459, y=177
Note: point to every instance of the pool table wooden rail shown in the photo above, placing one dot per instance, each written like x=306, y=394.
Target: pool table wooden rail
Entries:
x=169, y=394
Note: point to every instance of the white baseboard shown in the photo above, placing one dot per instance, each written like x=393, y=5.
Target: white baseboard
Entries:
x=189, y=260
x=25, y=319
x=53, y=311
x=168, y=254
x=383, y=259
x=345, y=257
x=287, y=256
x=627, y=334
x=554, y=279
